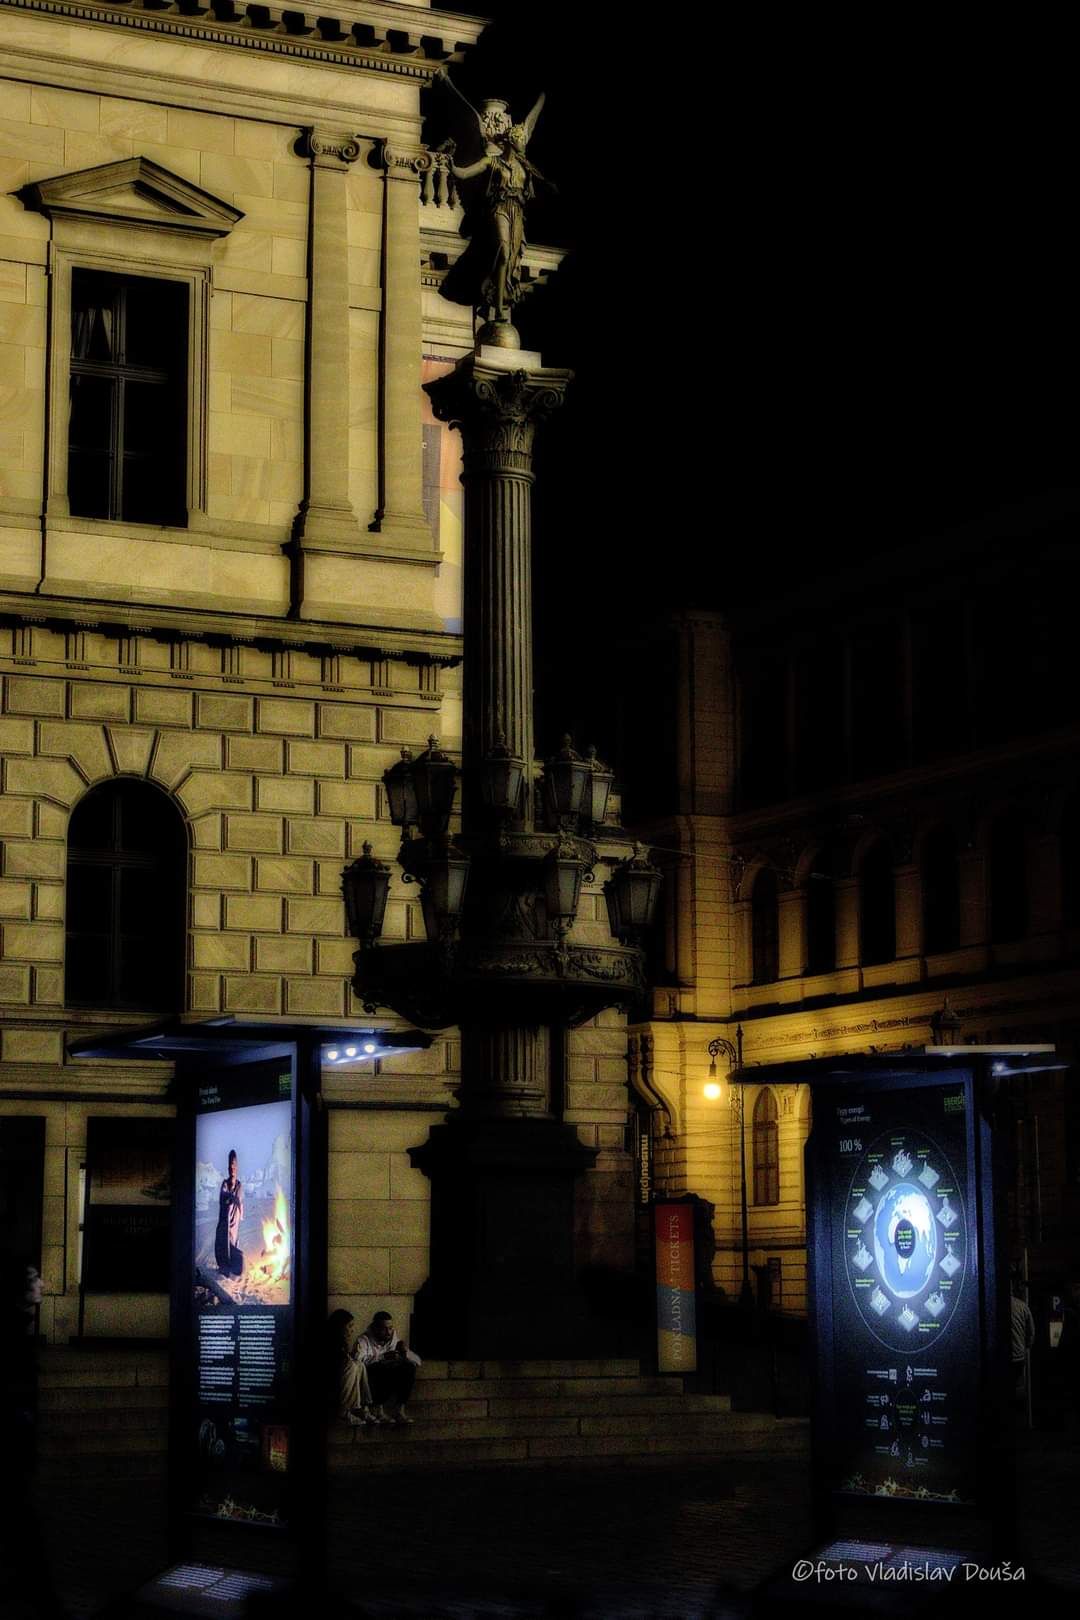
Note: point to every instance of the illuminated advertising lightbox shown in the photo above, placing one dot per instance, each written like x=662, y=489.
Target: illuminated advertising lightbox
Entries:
x=243, y=1284
x=676, y=1323
x=898, y=1317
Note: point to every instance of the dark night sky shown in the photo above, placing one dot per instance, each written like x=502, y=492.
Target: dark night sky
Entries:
x=822, y=298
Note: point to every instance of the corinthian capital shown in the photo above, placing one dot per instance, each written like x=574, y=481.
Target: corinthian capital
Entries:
x=498, y=411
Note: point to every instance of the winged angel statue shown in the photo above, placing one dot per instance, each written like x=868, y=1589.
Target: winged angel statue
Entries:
x=496, y=185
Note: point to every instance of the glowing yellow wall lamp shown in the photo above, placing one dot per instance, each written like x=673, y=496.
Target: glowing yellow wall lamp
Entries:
x=713, y=1092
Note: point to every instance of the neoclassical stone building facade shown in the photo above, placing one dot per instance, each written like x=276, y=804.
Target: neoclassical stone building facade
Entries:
x=230, y=579
x=876, y=809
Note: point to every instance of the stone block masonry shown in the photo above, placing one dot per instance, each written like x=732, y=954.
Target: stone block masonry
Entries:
x=273, y=797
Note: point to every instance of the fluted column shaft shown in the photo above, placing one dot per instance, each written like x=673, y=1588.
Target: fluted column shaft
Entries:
x=498, y=411
x=498, y=677
x=506, y=1072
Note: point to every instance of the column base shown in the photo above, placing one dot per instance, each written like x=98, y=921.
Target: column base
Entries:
x=404, y=529
x=503, y=1280
x=327, y=525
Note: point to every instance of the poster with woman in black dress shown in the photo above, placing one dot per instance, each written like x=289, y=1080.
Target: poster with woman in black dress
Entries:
x=227, y=1251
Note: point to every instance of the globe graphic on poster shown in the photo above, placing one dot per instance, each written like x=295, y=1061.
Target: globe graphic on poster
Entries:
x=905, y=1240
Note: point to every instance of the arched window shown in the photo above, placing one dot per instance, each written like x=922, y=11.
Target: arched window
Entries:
x=1070, y=862
x=877, y=906
x=1008, y=877
x=940, y=892
x=766, y=1150
x=126, y=900
x=821, y=914
x=765, y=925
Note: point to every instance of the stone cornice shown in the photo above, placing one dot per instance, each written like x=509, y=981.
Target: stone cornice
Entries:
x=362, y=641
x=404, y=42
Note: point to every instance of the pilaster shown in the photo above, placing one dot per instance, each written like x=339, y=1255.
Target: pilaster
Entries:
x=400, y=515
x=908, y=911
x=326, y=519
x=790, y=927
x=847, y=922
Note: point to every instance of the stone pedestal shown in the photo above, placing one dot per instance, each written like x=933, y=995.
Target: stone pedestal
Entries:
x=503, y=1279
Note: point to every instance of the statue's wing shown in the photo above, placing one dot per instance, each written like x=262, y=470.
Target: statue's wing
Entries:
x=465, y=127
x=533, y=115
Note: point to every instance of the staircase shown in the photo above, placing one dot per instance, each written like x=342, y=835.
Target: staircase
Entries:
x=104, y=1414
x=477, y=1413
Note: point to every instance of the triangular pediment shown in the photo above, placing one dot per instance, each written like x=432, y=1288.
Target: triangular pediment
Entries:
x=134, y=191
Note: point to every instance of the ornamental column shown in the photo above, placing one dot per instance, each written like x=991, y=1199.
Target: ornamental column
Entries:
x=502, y=1168
x=497, y=403
x=326, y=516
x=400, y=517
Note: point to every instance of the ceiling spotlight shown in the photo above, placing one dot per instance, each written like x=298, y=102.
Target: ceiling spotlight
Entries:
x=369, y=1046
x=350, y=1051
x=332, y=1054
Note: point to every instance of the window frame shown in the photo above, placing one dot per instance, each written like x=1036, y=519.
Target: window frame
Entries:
x=174, y=865
x=64, y=261
x=765, y=1149
x=120, y=375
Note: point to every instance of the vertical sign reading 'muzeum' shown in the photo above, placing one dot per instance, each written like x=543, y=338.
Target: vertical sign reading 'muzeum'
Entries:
x=243, y=1258
x=676, y=1317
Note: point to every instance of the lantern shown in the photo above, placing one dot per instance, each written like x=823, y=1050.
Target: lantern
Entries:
x=442, y=897
x=435, y=779
x=631, y=894
x=597, y=790
x=563, y=871
x=501, y=778
x=401, y=791
x=566, y=776
x=365, y=885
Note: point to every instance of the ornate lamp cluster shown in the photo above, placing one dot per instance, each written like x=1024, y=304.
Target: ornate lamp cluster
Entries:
x=513, y=863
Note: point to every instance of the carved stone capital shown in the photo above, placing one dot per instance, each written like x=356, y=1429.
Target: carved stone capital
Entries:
x=497, y=411
x=400, y=162
x=330, y=148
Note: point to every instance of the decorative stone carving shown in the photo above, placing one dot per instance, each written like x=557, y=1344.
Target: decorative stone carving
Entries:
x=498, y=413
x=330, y=148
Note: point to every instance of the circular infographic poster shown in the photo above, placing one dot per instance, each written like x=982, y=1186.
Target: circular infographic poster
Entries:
x=906, y=1239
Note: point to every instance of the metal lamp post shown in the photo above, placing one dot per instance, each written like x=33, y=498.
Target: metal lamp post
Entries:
x=733, y=1053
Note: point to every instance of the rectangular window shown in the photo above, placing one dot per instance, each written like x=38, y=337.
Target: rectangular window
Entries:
x=127, y=435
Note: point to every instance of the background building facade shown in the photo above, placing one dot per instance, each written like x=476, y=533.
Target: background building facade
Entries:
x=877, y=809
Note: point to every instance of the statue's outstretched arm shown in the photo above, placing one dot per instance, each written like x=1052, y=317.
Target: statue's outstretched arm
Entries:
x=469, y=171
x=530, y=122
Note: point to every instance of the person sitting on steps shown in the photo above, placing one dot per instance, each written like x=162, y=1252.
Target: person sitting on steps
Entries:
x=391, y=1367
x=347, y=1390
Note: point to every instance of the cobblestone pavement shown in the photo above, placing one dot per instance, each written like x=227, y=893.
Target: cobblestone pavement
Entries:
x=617, y=1543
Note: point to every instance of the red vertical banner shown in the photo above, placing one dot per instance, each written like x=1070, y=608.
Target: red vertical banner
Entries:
x=676, y=1316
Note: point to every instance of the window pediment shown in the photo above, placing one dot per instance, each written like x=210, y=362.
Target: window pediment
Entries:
x=133, y=191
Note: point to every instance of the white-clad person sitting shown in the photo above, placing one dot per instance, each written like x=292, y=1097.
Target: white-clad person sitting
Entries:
x=390, y=1366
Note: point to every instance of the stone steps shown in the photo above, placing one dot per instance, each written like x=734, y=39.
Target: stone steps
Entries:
x=105, y=1413
x=733, y=1434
